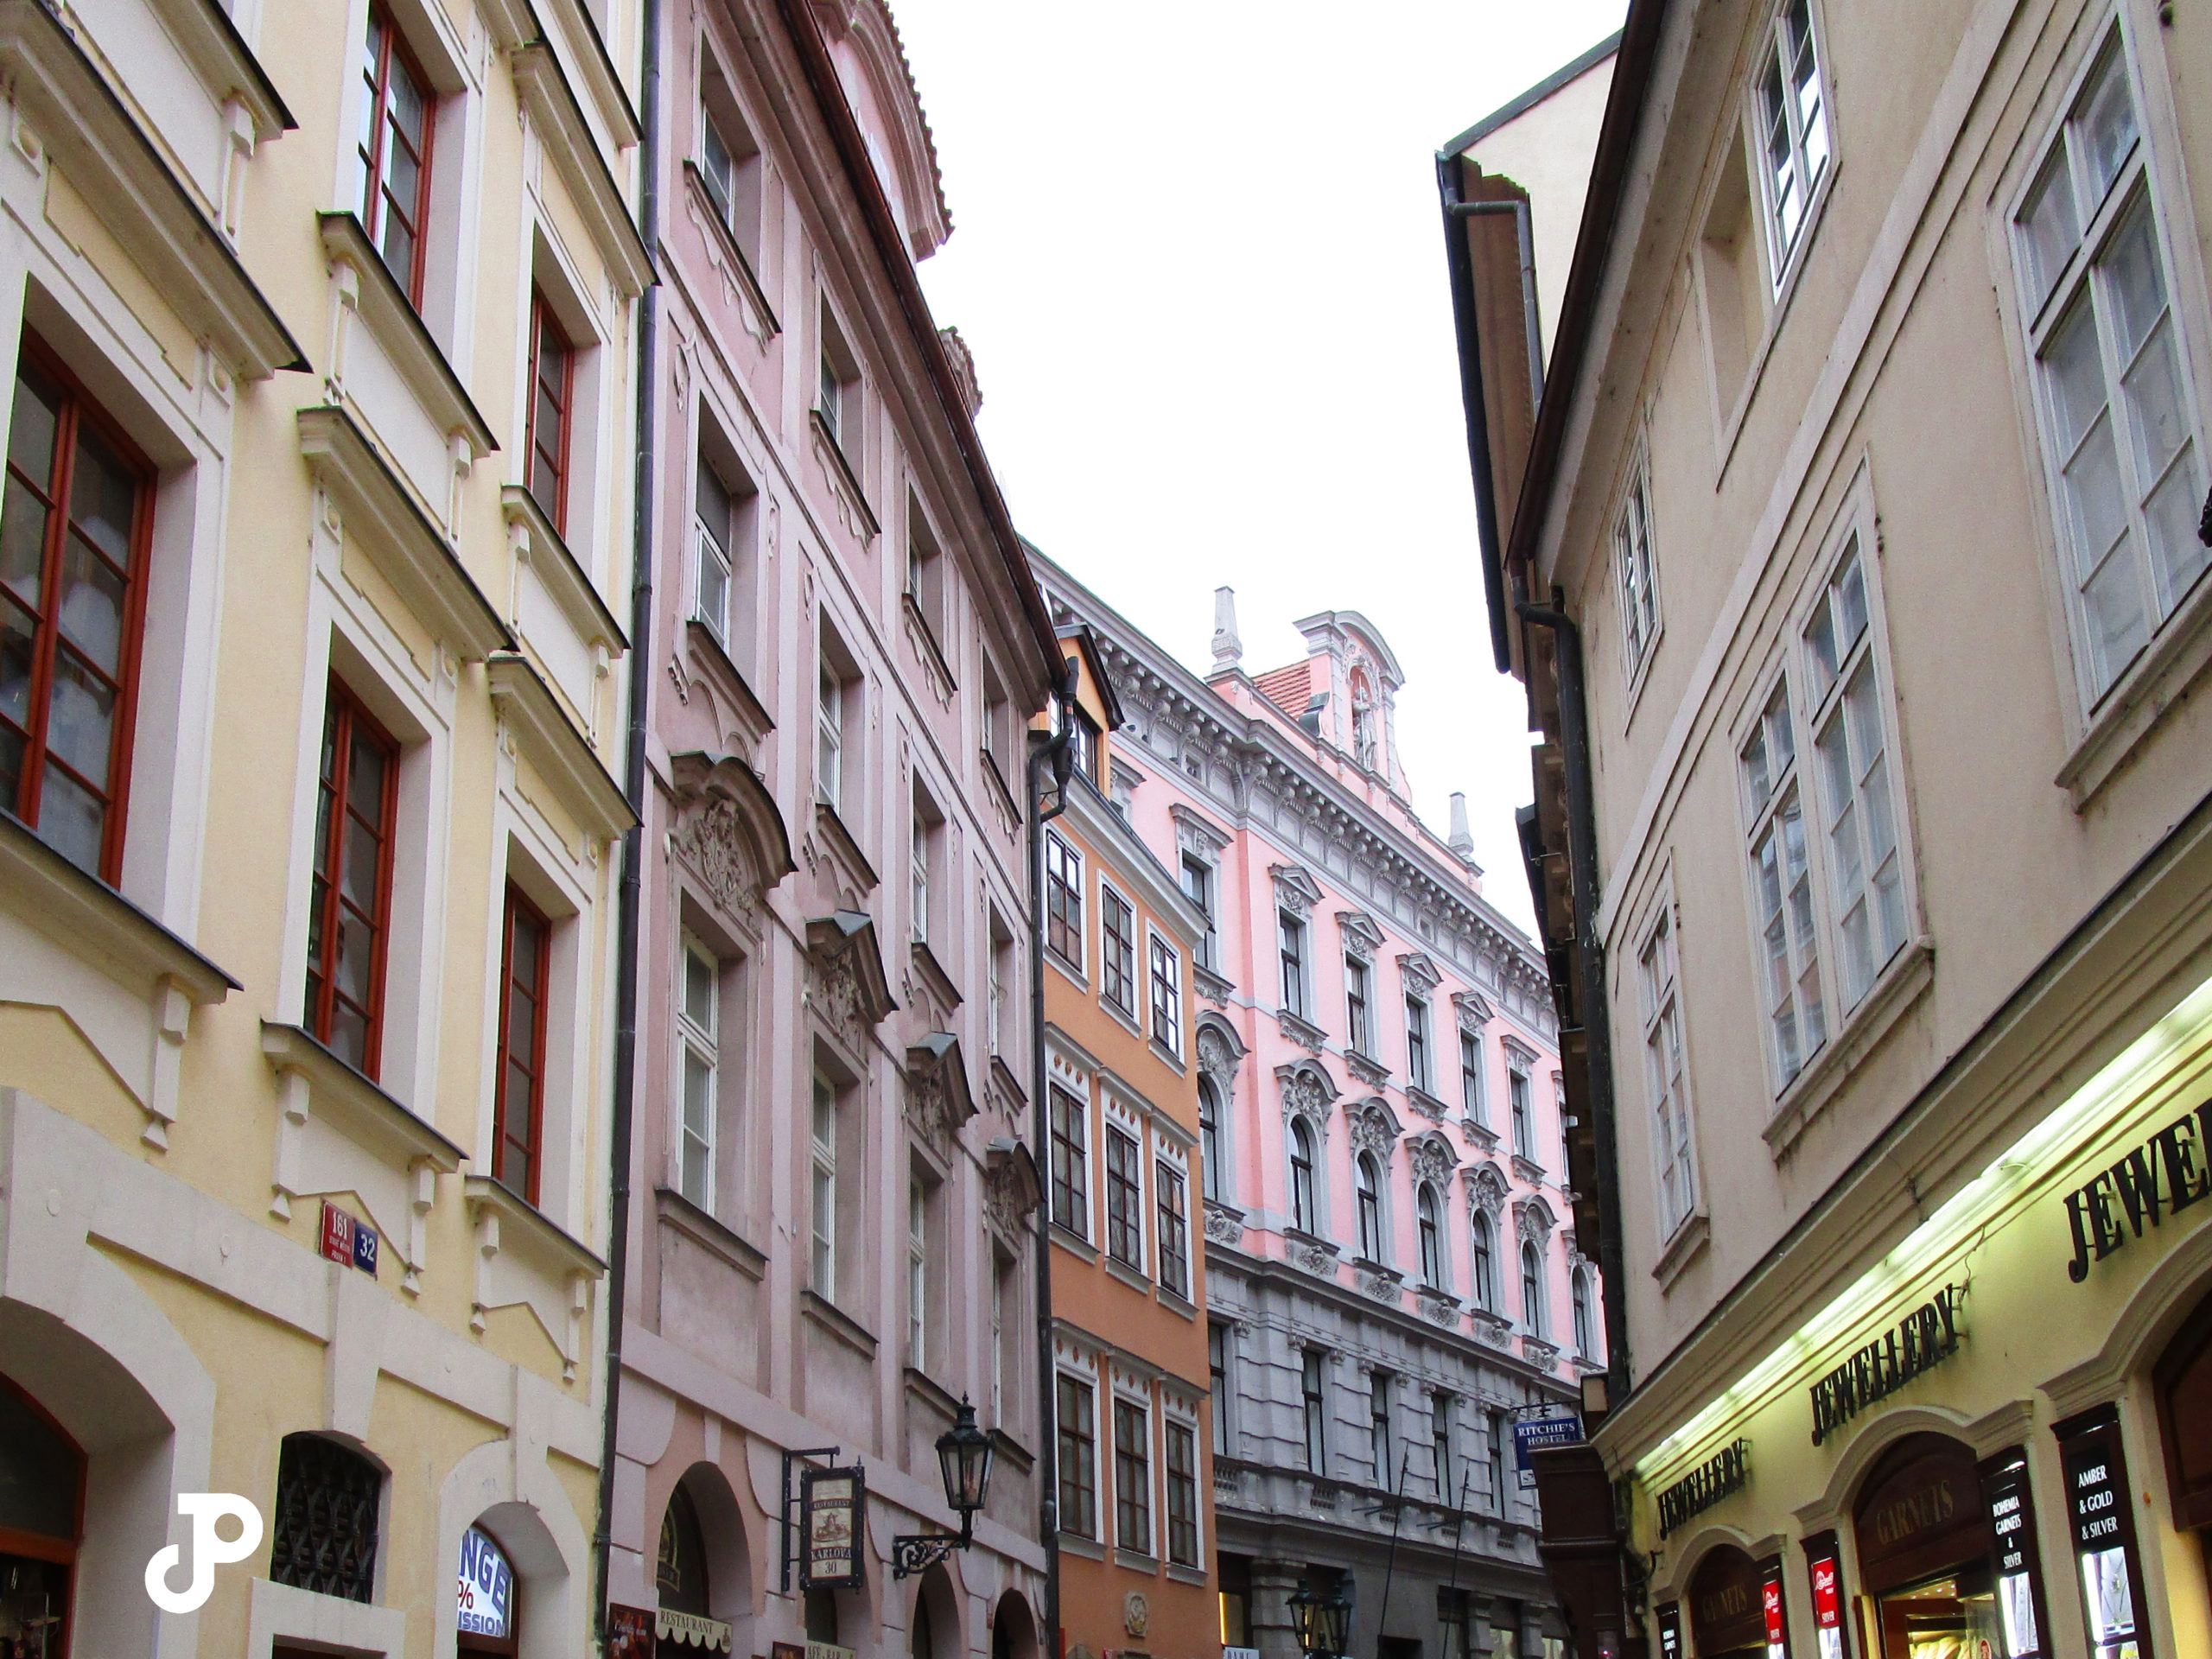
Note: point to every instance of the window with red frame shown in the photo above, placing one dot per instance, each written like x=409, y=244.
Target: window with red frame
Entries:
x=552, y=379
x=74, y=536
x=350, y=910
x=394, y=151
x=519, y=1110
x=41, y=1525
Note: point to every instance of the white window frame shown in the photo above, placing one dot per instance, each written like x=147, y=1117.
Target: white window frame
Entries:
x=1766, y=820
x=1311, y=1222
x=1636, y=577
x=1475, y=1100
x=823, y=1203
x=917, y=1260
x=1109, y=895
x=1089, y=1383
x=829, y=734
x=1119, y=1122
x=1077, y=1088
x=1784, y=254
x=1482, y=1285
x=1168, y=1164
x=1359, y=1022
x=1421, y=1064
x=1122, y=1396
x=1171, y=1007
x=1173, y=1417
x=1436, y=1274
x=1674, y=1127
x=1293, y=969
x=1073, y=855
x=711, y=550
x=697, y=1040
x=1361, y=1158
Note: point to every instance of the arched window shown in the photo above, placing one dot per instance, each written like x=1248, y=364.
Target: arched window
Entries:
x=41, y=1518
x=1367, y=1180
x=1485, y=1265
x=1583, y=1343
x=486, y=1608
x=1210, y=1138
x=1532, y=1293
x=680, y=1575
x=1432, y=1237
x=1303, y=1214
x=325, y=1534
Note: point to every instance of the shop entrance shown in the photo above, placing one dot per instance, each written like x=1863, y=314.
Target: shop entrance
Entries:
x=1728, y=1610
x=2183, y=1379
x=1927, y=1555
x=42, y=1519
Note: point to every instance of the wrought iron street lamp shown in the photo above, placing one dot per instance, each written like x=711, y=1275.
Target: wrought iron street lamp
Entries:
x=1323, y=1622
x=963, y=1453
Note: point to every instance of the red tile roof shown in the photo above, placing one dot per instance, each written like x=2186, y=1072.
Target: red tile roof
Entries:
x=1290, y=688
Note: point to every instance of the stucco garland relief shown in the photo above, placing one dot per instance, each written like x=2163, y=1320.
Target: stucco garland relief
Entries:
x=1433, y=1159
x=1295, y=890
x=1320, y=1259
x=1486, y=1190
x=711, y=842
x=1004, y=1203
x=837, y=999
x=1418, y=973
x=1224, y=1225
x=1372, y=1128
x=1532, y=1221
x=929, y=1114
x=1306, y=1092
x=1381, y=1283
x=1474, y=1013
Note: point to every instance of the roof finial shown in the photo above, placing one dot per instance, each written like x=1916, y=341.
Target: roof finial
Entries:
x=1462, y=839
x=1228, y=649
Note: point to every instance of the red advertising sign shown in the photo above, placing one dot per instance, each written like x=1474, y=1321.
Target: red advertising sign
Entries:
x=1828, y=1603
x=1770, y=1592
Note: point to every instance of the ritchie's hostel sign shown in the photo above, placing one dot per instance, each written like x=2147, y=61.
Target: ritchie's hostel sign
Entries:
x=2168, y=1172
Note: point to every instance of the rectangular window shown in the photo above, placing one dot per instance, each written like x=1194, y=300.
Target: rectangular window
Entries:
x=837, y=393
x=392, y=155
x=1174, y=1228
x=1494, y=1455
x=1083, y=741
x=552, y=396
x=917, y=1274
x=1290, y=934
x=721, y=516
x=349, y=914
x=519, y=1100
x=1002, y=981
x=1311, y=1397
x=1793, y=131
x=730, y=164
x=1417, y=1043
x=1378, y=1429
x=73, y=582
x=1064, y=902
x=1217, y=1355
x=1117, y=950
x=925, y=573
x=1182, y=1495
x=2118, y=421
x=1167, y=996
x=829, y=737
x=1440, y=1429
x=823, y=1263
x=1132, y=1477
x=1633, y=574
x=697, y=1018
x=1356, y=1035
x=1071, y=1162
x=1470, y=1076
x=1197, y=887
x=1517, y=1094
x=1124, y=1200
x=920, y=854
x=1782, y=884
x=1079, y=1460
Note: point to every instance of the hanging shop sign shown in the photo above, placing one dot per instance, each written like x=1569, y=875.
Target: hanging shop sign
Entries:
x=2168, y=1172
x=348, y=1241
x=1923, y=1340
x=2104, y=1533
x=1824, y=1561
x=1553, y=1425
x=1777, y=1622
x=831, y=1503
x=2019, y=1583
x=1725, y=1472
x=485, y=1599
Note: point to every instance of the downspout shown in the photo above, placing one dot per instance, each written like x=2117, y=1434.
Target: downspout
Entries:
x=630, y=904
x=1057, y=752
x=1461, y=265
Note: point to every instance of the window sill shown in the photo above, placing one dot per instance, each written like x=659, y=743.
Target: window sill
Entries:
x=1371, y=1071
x=563, y=756
x=680, y=1215
x=1074, y=1543
x=733, y=256
x=1125, y=1018
x=1212, y=986
x=1187, y=1575
x=1895, y=990
x=1480, y=1133
x=933, y=976
x=1166, y=1055
x=1684, y=1247
x=1137, y=1560
x=923, y=1387
x=282, y=1614
x=932, y=654
x=1528, y=1169
x=1074, y=1243
x=859, y=517
x=834, y=1321
x=844, y=849
x=1130, y=1274
x=1176, y=1302
x=401, y=333
x=752, y=719
x=1072, y=973
x=1426, y=1103
x=2137, y=705
x=1000, y=791
x=1307, y=1036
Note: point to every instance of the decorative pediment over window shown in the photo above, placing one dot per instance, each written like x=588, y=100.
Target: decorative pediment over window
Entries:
x=1193, y=834
x=729, y=832
x=1359, y=930
x=852, y=992
x=1011, y=1189
x=1308, y=1091
x=1418, y=974
x=1373, y=1126
x=1533, y=1220
x=1295, y=890
x=1474, y=1013
x=1220, y=1052
x=938, y=1100
x=1486, y=1188
x=1433, y=1158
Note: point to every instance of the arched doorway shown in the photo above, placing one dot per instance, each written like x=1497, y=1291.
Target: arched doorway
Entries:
x=1727, y=1614
x=42, y=1524
x=703, y=1571
x=2183, y=1380
x=488, y=1619
x=1927, y=1552
x=1013, y=1628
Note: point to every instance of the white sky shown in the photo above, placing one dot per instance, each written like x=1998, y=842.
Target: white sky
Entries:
x=1197, y=257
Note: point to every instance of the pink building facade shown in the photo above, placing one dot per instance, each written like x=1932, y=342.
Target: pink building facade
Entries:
x=1390, y=1265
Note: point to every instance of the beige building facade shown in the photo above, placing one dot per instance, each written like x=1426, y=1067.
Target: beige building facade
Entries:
x=320, y=318
x=1855, y=575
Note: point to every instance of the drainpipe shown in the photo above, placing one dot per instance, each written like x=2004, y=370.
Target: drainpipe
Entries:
x=1057, y=751
x=1597, y=1025
x=630, y=904
x=1524, y=236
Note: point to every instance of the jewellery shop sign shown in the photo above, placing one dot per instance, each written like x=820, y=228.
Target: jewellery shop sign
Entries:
x=2162, y=1176
x=1924, y=1339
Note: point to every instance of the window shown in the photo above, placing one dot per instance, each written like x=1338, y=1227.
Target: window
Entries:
x=1124, y=1200
x=1182, y=1495
x=925, y=573
x=1417, y=1043
x=722, y=528
x=1174, y=1228
x=1367, y=1187
x=1378, y=1429
x=324, y=1537
x=1356, y=1035
x=1427, y=1211
x=1494, y=1454
x=1064, y=902
x=1305, y=1214
x=1132, y=1477
x=1532, y=1289
x=1585, y=1343
x=998, y=721
x=1002, y=978
x=552, y=393
x=1004, y=1330
x=1309, y=1383
x=823, y=1263
x=917, y=1271
x=1663, y=1053
x=697, y=1017
x=1070, y=1157
x=1485, y=1264
x=1082, y=742
x=393, y=155
x=921, y=858
x=837, y=395
x=1440, y=1427
x=518, y=1097
x=1197, y=887
x=2118, y=418
x=1783, y=890
x=830, y=738
x=1167, y=996
x=1210, y=1138
x=729, y=163
x=1117, y=950
x=350, y=912
x=1516, y=1095
x=73, y=584
x=1793, y=131
x=1470, y=1076
x=1633, y=572
x=1290, y=933
x=1079, y=1460
x=1218, y=1360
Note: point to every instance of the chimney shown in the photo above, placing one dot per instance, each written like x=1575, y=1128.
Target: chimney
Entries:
x=1462, y=840
x=1228, y=649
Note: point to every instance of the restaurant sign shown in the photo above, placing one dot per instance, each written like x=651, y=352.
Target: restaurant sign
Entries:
x=1923, y=1339
x=2170, y=1171
x=831, y=1503
x=1727, y=1471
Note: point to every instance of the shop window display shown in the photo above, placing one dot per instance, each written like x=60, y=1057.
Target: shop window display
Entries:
x=2183, y=1380
x=1727, y=1597
x=42, y=1519
x=2103, y=1527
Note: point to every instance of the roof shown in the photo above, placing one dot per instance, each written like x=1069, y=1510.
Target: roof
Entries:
x=1290, y=688
x=1536, y=94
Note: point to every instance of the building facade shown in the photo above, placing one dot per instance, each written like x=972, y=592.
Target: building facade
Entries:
x=1857, y=578
x=320, y=320
x=831, y=1241
x=1389, y=1274
x=1123, y=1174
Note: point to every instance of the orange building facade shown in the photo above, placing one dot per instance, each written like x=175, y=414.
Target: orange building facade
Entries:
x=1129, y=1375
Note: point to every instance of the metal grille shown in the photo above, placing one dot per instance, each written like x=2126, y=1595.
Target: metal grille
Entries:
x=326, y=1532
